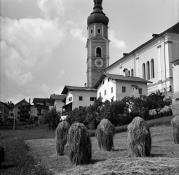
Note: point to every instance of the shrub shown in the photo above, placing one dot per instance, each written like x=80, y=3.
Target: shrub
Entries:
x=77, y=115
x=104, y=134
x=61, y=136
x=52, y=118
x=175, y=126
x=79, y=144
x=139, y=138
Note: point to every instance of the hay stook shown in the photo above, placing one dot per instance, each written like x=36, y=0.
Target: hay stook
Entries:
x=175, y=126
x=61, y=136
x=104, y=134
x=79, y=144
x=139, y=138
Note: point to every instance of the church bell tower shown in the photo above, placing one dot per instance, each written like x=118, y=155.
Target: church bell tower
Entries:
x=97, y=44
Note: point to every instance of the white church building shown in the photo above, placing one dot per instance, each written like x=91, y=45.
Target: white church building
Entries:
x=152, y=60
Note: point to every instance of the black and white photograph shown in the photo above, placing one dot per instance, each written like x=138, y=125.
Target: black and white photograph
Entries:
x=89, y=87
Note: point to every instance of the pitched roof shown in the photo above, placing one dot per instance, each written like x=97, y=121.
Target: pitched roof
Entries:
x=175, y=61
x=5, y=104
x=76, y=88
x=42, y=100
x=22, y=102
x=173, y=29
x=58, y=97
x=121, y=78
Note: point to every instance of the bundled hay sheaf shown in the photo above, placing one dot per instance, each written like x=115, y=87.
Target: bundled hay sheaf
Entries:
x=104, y=134
x=79, y=144
x=139, y=138
x=61, y=136
x=175, y=126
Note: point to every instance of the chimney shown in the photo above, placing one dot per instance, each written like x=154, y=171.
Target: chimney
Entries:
x=125, y=54
x=155, y=35
x=126, y=71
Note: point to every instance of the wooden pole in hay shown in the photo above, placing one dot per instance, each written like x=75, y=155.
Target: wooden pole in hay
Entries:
x=104, y=134
x=61, y=136
x=139, y=138
x=175, y=126
x=79, y=144
x=2, y=155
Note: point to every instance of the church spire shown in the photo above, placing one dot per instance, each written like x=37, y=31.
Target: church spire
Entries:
x=98, y=4
x=97, y=16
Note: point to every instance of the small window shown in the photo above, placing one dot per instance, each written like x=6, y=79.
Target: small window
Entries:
x=123, y=89
x=140, y=91
x=105, y=92
x=91, y=31
x=80, y=98
x=100, y=94
x=111, y=89
x=143, y=71
x=112, y=99
x=170, y=88
x=92, y=98
x=70, y=99
x=108, y=79
x=99, y=31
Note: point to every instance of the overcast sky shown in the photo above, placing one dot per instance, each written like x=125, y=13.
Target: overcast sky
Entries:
x=43, y=41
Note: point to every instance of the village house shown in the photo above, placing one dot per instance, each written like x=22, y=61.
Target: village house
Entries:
x=113, y=87
x=21, y=110
x=4, y=112
x=78, y=96
x=59, y=101
x=40, y=107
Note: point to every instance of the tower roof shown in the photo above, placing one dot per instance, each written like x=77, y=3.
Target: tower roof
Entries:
x=97, y=16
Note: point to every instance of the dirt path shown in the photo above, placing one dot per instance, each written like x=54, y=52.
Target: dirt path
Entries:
x=162, y=146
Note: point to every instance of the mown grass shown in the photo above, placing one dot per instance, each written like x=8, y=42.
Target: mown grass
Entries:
x=18, y=161
x=164, y=158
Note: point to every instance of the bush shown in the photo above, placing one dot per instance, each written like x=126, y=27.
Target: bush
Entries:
x=52, y=118
x=121, y=112
x=77, y=115
x=139, y=138
x=79, y=144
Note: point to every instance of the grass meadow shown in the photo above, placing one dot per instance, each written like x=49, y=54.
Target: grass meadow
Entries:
x=32, y=152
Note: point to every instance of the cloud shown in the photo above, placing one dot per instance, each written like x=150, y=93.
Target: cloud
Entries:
x=52, y=8
x=25, y=44
x=115, y=42
x=78, y=34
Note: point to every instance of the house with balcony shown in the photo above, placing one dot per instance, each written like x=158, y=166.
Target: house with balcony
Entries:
x=78, y=96
x=59, y=101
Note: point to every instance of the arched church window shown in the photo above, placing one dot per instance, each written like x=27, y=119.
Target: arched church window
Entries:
x=152, y=69
x=91, y=31
x=99, y=31
x=132, y=72
x=148, y=70
x=143, y=71
x=98, y=52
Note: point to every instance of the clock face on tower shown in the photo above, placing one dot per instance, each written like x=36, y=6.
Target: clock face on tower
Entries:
x=99, y=62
